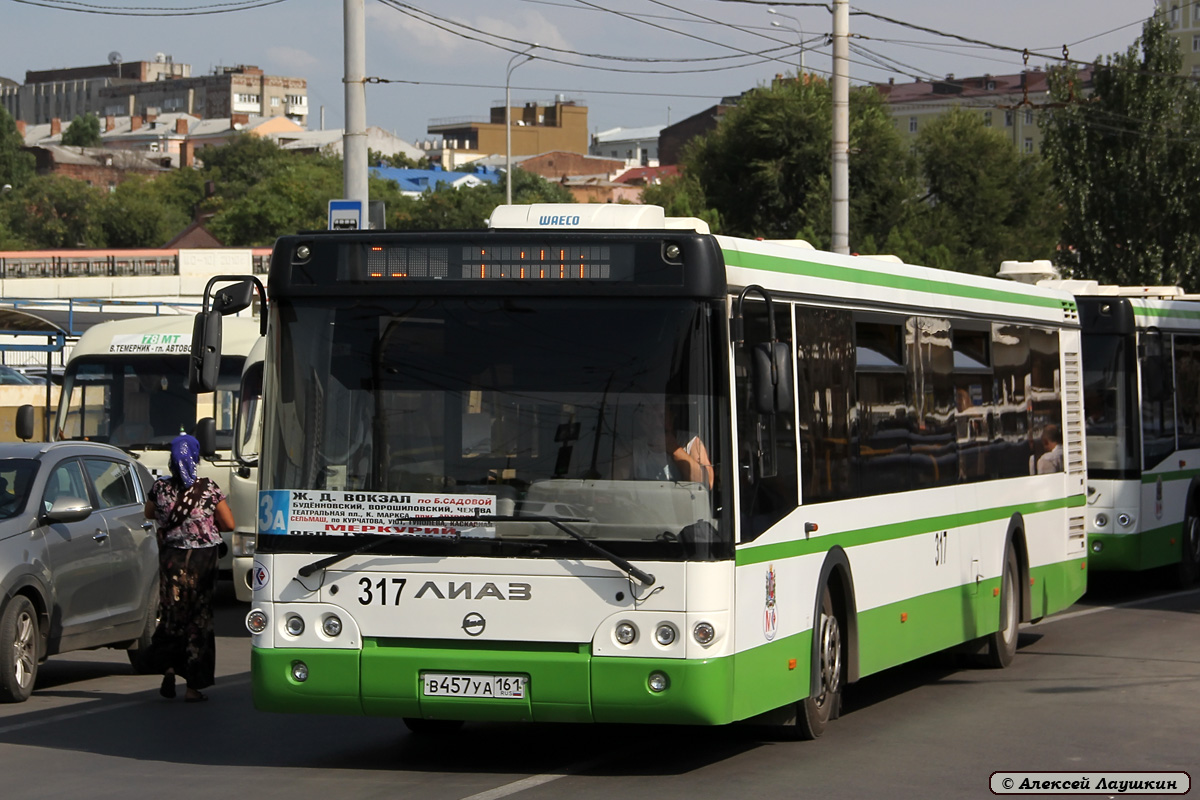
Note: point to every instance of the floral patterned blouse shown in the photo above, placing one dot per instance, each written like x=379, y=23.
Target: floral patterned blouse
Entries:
x=200, y=528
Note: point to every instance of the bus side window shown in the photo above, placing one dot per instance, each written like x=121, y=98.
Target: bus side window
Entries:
x=766, y=442
x=825, y=400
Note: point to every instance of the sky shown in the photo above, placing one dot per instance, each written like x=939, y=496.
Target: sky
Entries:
x=633, y=63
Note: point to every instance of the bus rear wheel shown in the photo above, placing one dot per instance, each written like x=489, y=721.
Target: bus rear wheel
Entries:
x=1002, y=645
x=814, y=712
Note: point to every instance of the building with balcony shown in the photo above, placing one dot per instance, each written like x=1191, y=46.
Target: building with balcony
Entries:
x=637, y=146
x=154, y=87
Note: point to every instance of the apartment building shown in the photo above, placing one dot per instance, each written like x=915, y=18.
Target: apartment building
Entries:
x=1183, y=21
x=152, y=87
x=1011, y=104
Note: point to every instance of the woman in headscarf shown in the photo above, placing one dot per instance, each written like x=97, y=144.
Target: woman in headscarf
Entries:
x=190, y=513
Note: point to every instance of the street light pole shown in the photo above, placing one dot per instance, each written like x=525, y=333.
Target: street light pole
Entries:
x=508, y=120
x=799, y=30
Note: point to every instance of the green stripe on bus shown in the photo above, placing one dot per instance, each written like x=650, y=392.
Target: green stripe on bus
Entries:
x=1176, y=475
x=1137, y=551
x=737, y=258
x=896, y=530
x=1138, y=311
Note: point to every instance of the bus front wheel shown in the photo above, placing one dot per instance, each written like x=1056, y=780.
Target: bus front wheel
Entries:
x=814, y=712
x=1002, y=645
x=1189, y=557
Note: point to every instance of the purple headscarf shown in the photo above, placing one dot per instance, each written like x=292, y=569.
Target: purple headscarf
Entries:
x=185, y=455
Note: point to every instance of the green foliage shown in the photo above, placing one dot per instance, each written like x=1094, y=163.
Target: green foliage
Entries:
x=294, y=196
x=682, y=196
x=1127, y=161
x=984, y=201
x=377, y=159
x=141, y=213
x=52, y=211
x=468, y=208
x=84, y=131
x=765, y=170
x=16, y=165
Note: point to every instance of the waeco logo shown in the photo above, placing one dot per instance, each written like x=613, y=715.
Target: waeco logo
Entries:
x=558, y=220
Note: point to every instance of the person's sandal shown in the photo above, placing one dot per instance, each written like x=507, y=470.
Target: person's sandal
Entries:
x=168, y=686
x=199, y=697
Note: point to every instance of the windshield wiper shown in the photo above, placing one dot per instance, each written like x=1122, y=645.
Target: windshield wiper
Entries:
x=641, y=576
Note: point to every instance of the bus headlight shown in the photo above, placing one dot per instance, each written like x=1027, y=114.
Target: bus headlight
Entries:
x=243, y=544
x=665, y=634
x=294, y=625
x=658, y=682
x=256, y=621
x=300, y=671
x=332, y=626
x=1124, y=520
x=625, y=633
x=704, y=633
x=1102, y=520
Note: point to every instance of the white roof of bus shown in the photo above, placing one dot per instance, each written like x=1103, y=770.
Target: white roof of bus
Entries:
x=238, y=333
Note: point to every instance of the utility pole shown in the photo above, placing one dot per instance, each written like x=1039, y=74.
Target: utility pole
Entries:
x=354, y=139
x=841, y=126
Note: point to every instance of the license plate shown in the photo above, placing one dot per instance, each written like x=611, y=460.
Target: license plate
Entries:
x=444, y=684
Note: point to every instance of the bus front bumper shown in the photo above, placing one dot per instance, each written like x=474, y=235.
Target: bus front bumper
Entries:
x=565, y=684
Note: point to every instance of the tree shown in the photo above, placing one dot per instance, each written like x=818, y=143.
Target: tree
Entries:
x=984, y=202
x=84, y=131
x=682, y=196
x=16, y=165
x=1127, y=160
x=766, y=168
x=53, y=211
x=138, y=214
x=467, y=208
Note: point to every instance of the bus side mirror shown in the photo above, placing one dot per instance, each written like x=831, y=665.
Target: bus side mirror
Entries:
x=233, y=298
x=24, y=426
x=205, y=363
x=206, y=434
x=771, y=378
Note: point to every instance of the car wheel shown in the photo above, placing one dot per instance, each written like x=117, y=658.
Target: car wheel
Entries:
x=18, y=650
x=139, y=654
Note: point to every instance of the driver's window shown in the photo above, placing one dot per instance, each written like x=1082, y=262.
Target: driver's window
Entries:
x=65, y=481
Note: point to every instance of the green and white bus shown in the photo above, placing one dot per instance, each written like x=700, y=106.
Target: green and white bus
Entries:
x=126, y=383
x=243, y=479
x=1141, y=359
x=464, y=515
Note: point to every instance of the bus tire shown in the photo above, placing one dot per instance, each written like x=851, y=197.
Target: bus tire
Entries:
x=18, y=650
x=432, y=727
x=1189, y=557
x=1002, y=645
x=814, y=712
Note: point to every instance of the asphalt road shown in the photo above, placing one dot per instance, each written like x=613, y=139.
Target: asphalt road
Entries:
x=1112, y=684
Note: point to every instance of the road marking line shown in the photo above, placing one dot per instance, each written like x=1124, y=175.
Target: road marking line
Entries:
x=1087, y=611
x=517, y=786
x=68, y=715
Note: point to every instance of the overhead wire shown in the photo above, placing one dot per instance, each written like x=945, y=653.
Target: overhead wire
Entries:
x=150, y=11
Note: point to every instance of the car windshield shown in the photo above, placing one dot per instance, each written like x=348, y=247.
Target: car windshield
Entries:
x=548, y=408
x=16, y=476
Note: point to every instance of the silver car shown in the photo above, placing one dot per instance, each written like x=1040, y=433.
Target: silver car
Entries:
x=78, y=560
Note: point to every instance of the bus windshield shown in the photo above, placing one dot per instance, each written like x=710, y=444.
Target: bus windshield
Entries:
x=551, y=408
x=142, y=402
x=1110, y=405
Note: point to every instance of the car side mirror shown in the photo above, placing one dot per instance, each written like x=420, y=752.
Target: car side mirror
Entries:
x=68, y=509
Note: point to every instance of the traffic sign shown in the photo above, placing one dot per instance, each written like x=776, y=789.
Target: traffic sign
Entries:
x=345, y=215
